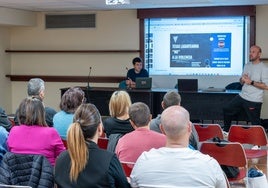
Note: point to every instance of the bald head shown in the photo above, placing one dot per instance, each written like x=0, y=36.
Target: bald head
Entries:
x=175, y=122
x=256, y=47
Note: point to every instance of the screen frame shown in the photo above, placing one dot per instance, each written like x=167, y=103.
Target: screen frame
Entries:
x=170, y=40
x=197, y=12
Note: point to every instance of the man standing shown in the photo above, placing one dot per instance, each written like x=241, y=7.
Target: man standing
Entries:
x=254, y=80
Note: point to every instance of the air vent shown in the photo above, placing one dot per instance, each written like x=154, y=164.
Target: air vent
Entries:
x=71, y=21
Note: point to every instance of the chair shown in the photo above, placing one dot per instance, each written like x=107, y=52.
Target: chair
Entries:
x=208, y=131
x=127, y=167
x=230, y=154
x=65, y=143
x=122, y=85
x=26, y=170
x=234, y=86
x=103, y=142
x=249, y=134
x=13, y=186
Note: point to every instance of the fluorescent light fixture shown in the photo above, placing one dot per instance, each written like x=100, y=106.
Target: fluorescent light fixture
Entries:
x=117, y=2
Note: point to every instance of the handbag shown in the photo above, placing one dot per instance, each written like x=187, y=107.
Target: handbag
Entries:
x=257, y=179
x=257, y=182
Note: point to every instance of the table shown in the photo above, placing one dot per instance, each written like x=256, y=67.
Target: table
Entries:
x=201, y=105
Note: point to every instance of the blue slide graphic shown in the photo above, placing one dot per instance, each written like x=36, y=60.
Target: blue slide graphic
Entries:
x=200, y=50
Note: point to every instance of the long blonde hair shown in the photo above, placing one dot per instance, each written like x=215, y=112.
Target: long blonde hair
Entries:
x=119, y=103
x=86, y=121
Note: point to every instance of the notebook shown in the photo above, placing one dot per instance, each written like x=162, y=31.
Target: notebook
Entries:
x=187, y=85
x=143, y=83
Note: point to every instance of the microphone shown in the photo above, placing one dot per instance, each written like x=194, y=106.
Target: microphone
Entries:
x=88, y=87
x=128, y=80
x=88, y=77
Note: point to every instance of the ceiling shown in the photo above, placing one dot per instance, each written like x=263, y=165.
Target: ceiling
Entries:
x=83, y=5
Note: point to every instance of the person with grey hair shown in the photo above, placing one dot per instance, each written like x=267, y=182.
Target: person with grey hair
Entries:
x=36, y=88
x=172, y=98
x=131, y=145
x=176, y=165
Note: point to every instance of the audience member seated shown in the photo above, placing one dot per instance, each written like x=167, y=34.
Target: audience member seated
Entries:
x=172, y=98
x=33, y=136
x=70, y=101
x=3, y=140
x=176, y=165
x=118, y=123
x=131, y=145
x=84, y=165
x=136, y=71
x=36, y=88
x=4, y=121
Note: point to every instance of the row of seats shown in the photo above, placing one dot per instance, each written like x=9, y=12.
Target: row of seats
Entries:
x=244, y=134
x=233, y=153
x=253, y=135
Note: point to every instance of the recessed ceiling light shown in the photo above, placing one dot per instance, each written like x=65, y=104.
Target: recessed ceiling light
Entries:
x=117, y=2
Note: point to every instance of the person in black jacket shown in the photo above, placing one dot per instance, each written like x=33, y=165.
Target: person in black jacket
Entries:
x=84, y=164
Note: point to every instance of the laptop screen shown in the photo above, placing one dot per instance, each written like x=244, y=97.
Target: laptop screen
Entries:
x=187, y=85
x=143, y=83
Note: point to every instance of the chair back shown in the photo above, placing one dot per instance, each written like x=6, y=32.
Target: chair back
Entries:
x=103, y=142
x=249, y=134
x=230, y=154
x=122, y=85
x=127, y=167
x=13, y=186
x=208, y=131
x=65, y=143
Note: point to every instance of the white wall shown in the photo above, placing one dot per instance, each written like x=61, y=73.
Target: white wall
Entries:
x=118, y=30
x=115, y=30
x=5, y=68
x=262, y=41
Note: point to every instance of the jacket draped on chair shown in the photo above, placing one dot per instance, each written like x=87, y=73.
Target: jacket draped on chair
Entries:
x=25, y=169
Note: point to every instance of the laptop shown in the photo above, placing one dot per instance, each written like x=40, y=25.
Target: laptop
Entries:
x=189, y=85
x=143, y=83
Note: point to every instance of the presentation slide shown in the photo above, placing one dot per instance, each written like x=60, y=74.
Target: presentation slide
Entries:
x=196, y=46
